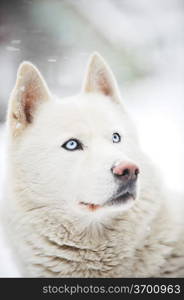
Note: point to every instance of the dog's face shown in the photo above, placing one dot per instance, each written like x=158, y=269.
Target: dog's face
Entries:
x=76, y=154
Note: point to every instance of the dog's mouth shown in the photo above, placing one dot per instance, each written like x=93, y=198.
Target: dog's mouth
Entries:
x=91, y=206
x=118, y=200
x=121, y=199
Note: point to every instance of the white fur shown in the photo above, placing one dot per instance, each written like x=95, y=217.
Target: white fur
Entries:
x=51, y=233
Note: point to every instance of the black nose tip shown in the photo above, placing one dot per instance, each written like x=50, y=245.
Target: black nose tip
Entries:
x=126, y=172
x=130, y=173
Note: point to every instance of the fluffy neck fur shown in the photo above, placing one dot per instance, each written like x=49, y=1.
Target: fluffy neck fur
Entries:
x=58, y=245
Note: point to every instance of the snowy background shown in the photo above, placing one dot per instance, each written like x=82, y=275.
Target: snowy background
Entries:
x=143, y=42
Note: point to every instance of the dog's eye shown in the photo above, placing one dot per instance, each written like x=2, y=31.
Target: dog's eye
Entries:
x=116, y=138
x=72, y=145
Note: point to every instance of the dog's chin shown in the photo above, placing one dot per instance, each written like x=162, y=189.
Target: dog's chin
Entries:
x=121, y=202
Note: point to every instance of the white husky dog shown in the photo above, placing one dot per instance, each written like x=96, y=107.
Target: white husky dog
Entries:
x=82, y=199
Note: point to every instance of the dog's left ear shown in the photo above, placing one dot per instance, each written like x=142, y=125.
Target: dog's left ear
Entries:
x=29, y=93
x=100, y=79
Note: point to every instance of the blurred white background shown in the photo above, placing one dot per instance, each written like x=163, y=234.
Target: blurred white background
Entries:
x=143, y=42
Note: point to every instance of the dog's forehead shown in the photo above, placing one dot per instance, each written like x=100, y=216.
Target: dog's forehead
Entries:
x=87, y=109
x=79, y=116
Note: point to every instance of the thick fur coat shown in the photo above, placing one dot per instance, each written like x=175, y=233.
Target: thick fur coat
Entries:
x=60, y=213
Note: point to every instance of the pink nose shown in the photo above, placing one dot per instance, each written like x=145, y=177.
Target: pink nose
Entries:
x=127, y=171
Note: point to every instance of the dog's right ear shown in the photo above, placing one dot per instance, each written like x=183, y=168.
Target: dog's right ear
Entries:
x=29, y=92
x=100, y=79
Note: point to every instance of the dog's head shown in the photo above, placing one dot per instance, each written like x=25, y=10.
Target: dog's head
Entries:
x=76, y=153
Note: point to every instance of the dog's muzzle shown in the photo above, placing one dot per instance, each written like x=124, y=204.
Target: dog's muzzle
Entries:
x=126, y=175
x=124, y=193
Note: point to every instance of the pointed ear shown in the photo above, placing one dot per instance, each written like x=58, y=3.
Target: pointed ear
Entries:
x=100, y=79
x=29, y=92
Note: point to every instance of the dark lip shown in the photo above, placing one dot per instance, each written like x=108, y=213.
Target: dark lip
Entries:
x=118, y=199
x=121, y=198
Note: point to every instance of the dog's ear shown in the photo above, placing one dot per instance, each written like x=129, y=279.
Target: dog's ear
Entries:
x=29, y=92
x=100, y=79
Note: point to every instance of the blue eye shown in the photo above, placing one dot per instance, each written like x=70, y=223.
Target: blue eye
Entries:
x=72, y=145
x=116, y=138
